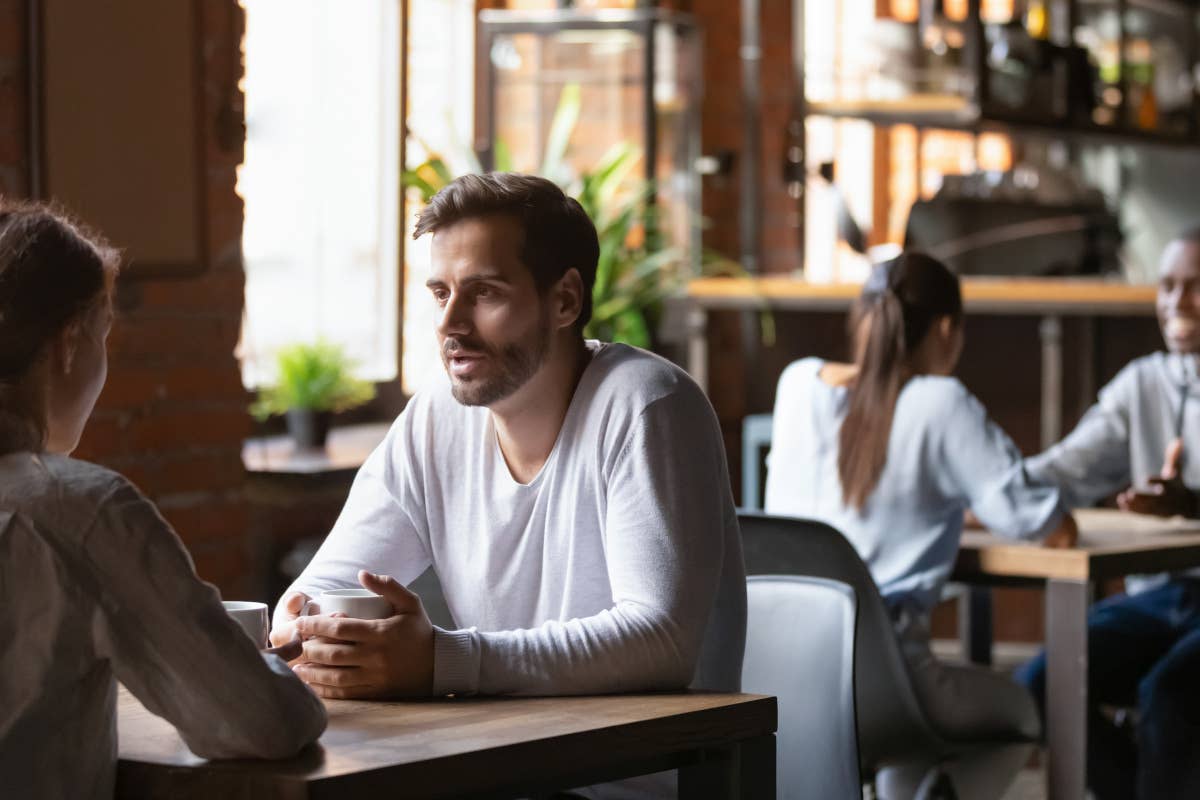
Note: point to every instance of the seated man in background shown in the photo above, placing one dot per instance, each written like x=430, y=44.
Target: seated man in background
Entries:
x=1144, y=646
x=572, y=496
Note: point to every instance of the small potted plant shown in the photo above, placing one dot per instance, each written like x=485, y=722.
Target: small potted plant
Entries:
x=312, y=382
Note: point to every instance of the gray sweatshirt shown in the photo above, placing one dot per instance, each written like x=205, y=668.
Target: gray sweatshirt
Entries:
x=1122, y=439
x=95, y=587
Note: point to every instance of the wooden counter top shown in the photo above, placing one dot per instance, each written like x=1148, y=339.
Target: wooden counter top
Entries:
x=1068, y=296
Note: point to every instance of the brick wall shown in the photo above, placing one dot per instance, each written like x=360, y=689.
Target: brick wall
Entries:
x=13, y=103
x=173, y=413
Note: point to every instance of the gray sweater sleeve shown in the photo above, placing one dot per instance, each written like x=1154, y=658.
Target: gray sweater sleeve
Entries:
x=1093, y=461
x=173, y=646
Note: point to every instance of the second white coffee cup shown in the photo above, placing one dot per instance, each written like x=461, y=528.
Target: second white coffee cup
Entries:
x=251, y=616
x=356, y=603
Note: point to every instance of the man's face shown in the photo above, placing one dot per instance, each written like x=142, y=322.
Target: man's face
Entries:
x=494, y=330
x=1179, y=297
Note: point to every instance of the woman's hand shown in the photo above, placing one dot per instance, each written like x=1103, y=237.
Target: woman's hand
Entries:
x=1065, y=535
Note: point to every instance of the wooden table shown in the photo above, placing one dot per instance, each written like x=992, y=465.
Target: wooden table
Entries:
x=1113, y=544
x=1048, y=298
x=722, y=744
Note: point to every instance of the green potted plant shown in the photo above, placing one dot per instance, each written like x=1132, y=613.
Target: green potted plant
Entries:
x=312, y=382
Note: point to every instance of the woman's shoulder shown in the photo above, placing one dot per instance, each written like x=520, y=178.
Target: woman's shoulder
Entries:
x=64, y=500
x=85, y=478
x=808, y=366
x=64, y=473
x=938, y=395
x=47, y=484
x=801, y=374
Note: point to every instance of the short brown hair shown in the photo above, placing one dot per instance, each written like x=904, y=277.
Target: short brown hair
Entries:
x=557, y=233
x=53, y=271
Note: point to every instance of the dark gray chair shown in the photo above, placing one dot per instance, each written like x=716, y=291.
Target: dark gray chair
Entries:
x=892, y=726
x=800, y=648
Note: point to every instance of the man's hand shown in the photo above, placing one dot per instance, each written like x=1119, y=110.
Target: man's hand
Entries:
x=288, y=652
x=357, y=658
x=285, y=632
x=1065, y=535
x=1166, y=496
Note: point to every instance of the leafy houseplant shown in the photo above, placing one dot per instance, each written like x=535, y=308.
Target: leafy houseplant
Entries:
x=636, y=271
x=312, y=382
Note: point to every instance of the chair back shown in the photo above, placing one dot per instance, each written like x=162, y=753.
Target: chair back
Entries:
x=891, y=723
x=800, y=648
x=756, y=438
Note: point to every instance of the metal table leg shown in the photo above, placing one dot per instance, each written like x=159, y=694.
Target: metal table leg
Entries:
x=745, y=770
x=975, y=624
x=1050, y=332
x=1066, y=688
x=756, y=768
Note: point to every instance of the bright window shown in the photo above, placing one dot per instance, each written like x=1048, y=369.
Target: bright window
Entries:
x=321, y=180
x=440, y=118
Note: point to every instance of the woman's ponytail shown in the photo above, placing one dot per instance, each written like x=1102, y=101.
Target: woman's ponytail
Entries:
x=898, y=306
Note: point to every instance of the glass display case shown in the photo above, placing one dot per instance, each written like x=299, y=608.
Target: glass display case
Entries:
x=566, y=93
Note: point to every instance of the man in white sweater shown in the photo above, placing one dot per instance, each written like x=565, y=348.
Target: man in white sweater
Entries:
x=572, y=496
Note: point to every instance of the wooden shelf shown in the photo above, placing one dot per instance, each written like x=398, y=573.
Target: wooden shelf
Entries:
x=953, y=112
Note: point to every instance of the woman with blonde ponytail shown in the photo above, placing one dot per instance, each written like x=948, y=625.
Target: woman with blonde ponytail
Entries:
x=95, y=587
x=892, y=451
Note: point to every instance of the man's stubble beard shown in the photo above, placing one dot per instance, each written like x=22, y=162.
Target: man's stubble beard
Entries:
x=518, y=363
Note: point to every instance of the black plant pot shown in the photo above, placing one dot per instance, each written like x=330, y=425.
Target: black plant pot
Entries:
x=308, y=427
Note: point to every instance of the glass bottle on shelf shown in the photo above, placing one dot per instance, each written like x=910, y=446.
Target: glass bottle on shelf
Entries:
x=1141, y=106
x=1037, y=19
x=942, y=39
x=1100, y=34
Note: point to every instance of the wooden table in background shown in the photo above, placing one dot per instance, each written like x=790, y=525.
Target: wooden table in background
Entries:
x=722, y=744
x=1051, y=299
x=1112, y=544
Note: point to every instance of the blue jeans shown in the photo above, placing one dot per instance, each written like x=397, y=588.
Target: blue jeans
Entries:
x=1143, y=652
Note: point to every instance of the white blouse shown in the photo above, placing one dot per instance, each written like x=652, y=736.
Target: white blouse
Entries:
x=944, y=456
x=95, y=587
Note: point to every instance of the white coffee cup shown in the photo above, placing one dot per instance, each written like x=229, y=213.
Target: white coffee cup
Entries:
x=251, y=616
x=356, y=603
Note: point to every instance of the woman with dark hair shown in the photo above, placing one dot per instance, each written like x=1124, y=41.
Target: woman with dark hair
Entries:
x=892, y=451
x=95, y=587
